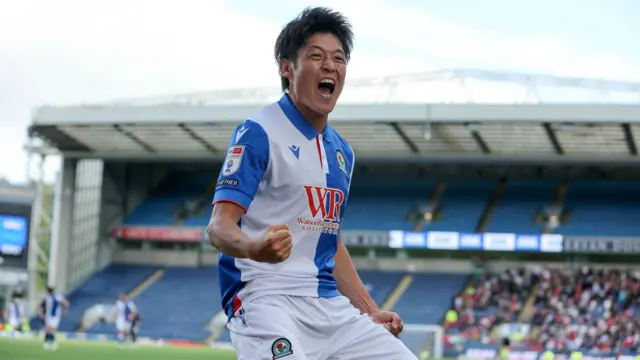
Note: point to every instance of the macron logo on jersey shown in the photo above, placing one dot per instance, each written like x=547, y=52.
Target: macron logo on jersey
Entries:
x=295, y=150
x=324, y=205
x=240, y=132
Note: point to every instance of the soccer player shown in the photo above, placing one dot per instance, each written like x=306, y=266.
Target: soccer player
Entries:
x=125, y=313
x=288, y=283
x=15, y=316
x=52, y=308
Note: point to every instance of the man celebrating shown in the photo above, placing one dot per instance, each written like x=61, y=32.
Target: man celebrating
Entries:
x=288, y=283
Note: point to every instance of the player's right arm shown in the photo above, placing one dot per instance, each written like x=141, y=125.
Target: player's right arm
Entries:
x=242, y=171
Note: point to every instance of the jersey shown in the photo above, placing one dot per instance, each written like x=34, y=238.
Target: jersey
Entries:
x=53, y=305
x=280, y=170
x=124, y=309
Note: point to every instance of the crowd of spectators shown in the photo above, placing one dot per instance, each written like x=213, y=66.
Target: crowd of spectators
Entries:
x=587, y=310
x=488, y=301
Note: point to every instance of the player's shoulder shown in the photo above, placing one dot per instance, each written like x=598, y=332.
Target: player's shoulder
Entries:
x=261, y=122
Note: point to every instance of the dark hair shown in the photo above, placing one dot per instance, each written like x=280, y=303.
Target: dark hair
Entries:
x=311, y=21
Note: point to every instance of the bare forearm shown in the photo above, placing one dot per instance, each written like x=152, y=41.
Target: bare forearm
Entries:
x=229, y=239
x=350, y=284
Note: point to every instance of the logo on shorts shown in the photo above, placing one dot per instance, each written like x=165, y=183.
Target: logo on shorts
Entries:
x=233, y=160
x=342, y=164
x=281, y=348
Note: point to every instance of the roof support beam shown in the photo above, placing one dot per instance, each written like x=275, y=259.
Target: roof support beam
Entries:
x=403, y=135
x=135, y=139
x=475, y=134
x=551, y=134
x=197, y=137
x=629, y=138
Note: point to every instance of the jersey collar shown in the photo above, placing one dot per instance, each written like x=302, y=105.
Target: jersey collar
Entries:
x=298, y=120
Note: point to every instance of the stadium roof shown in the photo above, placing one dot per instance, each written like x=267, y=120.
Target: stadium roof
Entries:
x=459, y=113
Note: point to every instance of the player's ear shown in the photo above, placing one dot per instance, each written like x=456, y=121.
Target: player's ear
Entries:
x=286, y=68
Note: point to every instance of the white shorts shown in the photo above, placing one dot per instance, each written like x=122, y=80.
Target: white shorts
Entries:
x=307, y=328
x=123, y=325
x=52, y=322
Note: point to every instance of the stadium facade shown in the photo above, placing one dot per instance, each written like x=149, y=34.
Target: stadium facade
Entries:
x=456, y=164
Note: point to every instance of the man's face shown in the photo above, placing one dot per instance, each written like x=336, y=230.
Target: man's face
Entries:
x=318, y=77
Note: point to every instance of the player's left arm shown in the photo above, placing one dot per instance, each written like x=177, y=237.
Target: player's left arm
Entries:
x=351, y=286
x=349, y=282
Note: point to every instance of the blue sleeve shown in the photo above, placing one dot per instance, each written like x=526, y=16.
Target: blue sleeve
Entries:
x=244, y=166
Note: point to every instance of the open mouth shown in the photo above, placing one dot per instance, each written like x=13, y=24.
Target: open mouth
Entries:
x=326, y=87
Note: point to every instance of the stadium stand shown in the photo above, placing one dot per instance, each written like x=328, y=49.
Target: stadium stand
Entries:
x=462, y=205
x=380, y=204
x=104, y=288
x=416, y=309
x=585, y=309
x=179, y=199
x=487, y=302
x=602, y=207
x=178, y=305
x=520, y=203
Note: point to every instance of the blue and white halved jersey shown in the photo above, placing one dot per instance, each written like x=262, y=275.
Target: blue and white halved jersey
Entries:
x=283, y=171
x=53, y=305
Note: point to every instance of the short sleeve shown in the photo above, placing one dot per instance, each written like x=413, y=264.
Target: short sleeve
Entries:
x=244, y=166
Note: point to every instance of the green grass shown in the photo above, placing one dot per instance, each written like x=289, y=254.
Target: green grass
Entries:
x=80, y=350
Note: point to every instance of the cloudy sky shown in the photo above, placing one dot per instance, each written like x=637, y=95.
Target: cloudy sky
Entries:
x=74, y=51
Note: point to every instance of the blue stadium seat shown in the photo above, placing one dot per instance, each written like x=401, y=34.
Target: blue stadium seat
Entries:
x=381, y=283
x=159, y=209
x=519, y=204
x=429, y=297
x=180, y=303
x=103, y=288
x=462, y=204
x=155, y=211
x=608, y=208
x=380, y=204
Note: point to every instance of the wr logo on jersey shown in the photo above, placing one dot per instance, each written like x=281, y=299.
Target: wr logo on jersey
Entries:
x=324, y=202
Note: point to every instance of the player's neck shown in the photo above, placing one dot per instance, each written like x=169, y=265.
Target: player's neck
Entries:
x=317, y=121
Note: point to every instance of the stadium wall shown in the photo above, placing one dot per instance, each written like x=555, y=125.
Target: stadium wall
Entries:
x=74, y=234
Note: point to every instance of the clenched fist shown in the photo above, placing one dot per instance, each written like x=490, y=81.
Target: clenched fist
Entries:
x=275, y=247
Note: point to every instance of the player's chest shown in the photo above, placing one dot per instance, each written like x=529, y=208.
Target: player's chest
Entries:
x=314, y=166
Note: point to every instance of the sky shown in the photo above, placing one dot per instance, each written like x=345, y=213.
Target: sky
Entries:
x=59, y=52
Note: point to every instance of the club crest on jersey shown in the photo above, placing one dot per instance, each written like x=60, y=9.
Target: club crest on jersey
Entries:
x=233, y=160
x=324, y=206
x=281, y=348
x=342, y=163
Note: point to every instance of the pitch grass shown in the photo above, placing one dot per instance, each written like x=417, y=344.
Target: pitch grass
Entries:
x=82, y=350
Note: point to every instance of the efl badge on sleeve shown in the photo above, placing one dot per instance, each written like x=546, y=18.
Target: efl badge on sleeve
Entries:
x=342, y=164
x=233, y=160
x=281, y=348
